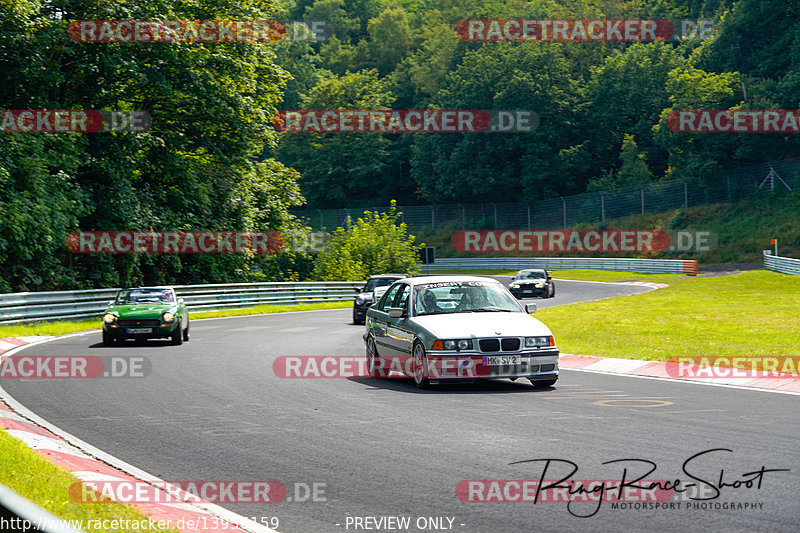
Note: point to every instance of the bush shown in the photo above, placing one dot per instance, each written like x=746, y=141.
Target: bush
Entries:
x=375, y=244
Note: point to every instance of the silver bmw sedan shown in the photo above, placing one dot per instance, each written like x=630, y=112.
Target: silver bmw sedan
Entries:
x=441, y=328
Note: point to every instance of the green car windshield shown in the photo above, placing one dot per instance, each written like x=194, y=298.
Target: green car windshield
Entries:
x=135, y=296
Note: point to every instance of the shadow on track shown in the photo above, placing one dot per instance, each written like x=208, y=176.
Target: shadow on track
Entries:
x=406, y=385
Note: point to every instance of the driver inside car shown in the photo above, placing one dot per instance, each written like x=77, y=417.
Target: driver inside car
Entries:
x=429, y=302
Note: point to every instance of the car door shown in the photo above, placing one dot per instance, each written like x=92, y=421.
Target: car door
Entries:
x=379, y=320
x=399, y=335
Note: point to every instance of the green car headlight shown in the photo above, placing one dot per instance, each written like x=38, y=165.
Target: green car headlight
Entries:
x=168, y=317
x=109, y=318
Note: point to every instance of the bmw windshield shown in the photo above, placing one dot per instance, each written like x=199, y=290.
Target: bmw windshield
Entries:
x=463, y=297
x=373, y=283
x=532, y=274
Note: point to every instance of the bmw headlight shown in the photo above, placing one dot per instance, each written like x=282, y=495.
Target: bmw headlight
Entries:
x=515, y=286
x=539, y=285
x=109, y=318
x=168, y=317
x=458, y=344
x=534, y=342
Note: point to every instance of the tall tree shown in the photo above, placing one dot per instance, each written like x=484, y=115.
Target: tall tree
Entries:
x=197, y=167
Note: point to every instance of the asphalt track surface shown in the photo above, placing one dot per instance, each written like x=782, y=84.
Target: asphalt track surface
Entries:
x=213, y=409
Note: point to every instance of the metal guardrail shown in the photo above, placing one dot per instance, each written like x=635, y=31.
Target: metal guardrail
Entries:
x=786, y=265
x=18, y=515
x=22, y=307
x=677, y=266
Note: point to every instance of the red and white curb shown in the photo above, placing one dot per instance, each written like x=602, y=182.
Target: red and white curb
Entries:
x=88, y=463
x=650, y=284
x=764, y=381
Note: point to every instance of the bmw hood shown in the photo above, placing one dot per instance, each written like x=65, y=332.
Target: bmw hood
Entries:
x=482, y=324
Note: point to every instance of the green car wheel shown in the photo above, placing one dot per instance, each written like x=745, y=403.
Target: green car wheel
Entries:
x=177, y=336
x=108, y=340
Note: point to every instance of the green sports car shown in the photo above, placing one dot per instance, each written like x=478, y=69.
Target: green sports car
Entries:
x=146, y=313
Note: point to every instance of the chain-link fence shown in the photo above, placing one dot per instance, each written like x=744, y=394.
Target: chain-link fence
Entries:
x=585, y=208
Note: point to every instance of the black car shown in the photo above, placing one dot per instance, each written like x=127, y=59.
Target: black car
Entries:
x=532, y=282
x=366, y=294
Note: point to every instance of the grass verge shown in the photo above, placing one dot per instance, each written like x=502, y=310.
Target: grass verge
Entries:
x=62, y=327
x=754, y=313
x=31, y=476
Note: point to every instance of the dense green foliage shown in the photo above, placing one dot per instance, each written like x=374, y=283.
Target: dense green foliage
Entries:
x=213, y=161
x=602, y=105
x=199, y=167
x=374, y=244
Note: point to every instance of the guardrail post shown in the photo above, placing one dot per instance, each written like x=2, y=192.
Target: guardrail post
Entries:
x=564, y=202
x=685, y=195
x=433, y=218
x=529, y=217
x=642, y=191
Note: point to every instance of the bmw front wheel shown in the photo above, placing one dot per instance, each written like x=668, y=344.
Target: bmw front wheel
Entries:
x=420, y=368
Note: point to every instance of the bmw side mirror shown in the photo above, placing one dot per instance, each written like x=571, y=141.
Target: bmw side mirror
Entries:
x=396, y=312
x=530, y=308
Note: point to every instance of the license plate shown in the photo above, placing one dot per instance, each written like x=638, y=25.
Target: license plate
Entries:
x=500, y=360
x=139, y=330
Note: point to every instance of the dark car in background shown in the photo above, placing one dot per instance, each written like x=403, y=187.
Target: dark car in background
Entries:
x=366, y=295
x=534, y=282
